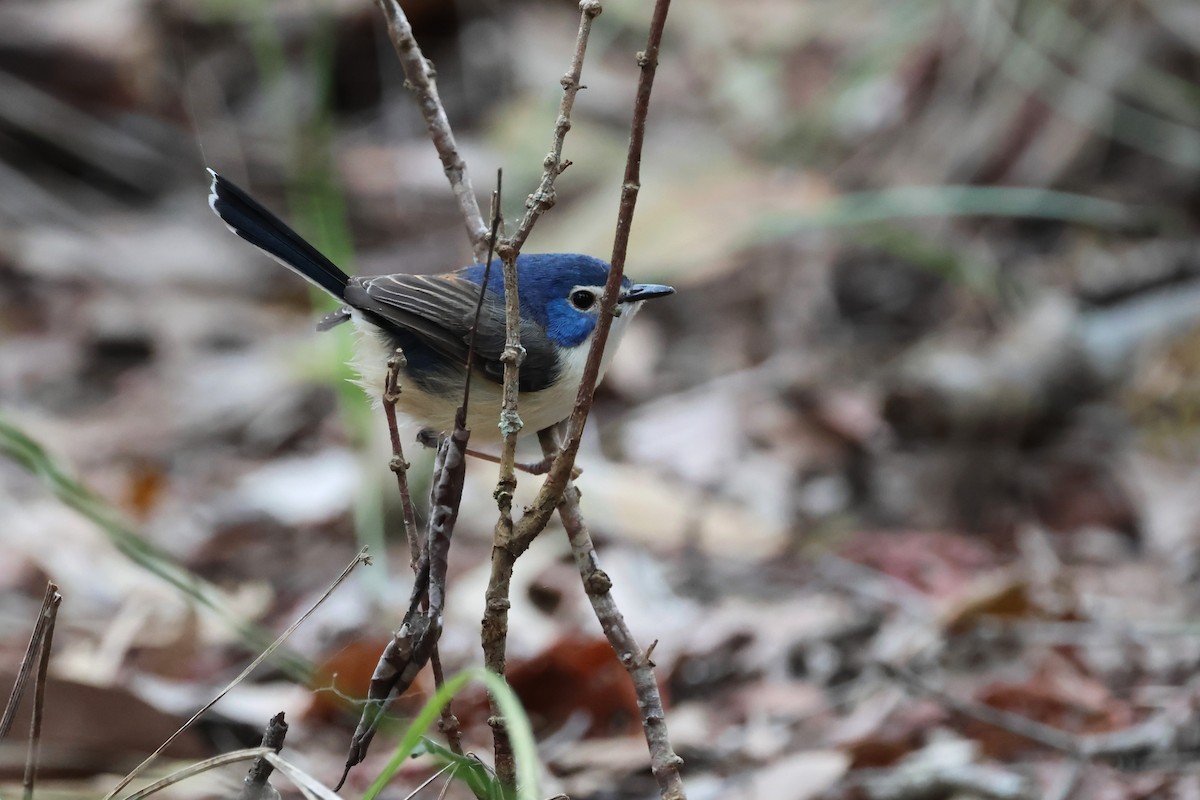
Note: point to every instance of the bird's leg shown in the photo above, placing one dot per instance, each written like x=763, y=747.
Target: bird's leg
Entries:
x=429, y=438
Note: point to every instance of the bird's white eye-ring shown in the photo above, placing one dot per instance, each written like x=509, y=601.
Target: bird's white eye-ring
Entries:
x=583, y=299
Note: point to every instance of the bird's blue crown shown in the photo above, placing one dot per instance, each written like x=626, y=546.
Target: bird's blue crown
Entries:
x=545, y=282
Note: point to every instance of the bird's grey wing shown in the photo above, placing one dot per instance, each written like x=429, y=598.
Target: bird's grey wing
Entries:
x=440, y=309
x=436, y=309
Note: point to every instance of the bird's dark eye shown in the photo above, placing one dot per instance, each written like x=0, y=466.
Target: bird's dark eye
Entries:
x=582, y=299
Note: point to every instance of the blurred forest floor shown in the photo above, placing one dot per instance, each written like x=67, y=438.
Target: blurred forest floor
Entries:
x=917, y=440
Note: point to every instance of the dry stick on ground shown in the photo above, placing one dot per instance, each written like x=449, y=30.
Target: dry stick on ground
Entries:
x=39, y=694
x=254, y=787
x=26, y=668
x=419, y=75
x=360, y=558
x=1148, y=744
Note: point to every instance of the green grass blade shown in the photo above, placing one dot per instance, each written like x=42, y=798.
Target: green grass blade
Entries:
x=519, y=731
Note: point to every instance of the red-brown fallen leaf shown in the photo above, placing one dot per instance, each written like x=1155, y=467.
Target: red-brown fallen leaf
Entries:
x=577, y=675
x=1058, y=694
x=884, y=728
x=1003, y=594
x=939, y=564
x=899, y=734
x=348, y=671
x=90, y=730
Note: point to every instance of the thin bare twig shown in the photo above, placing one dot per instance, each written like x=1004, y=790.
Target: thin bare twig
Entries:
x=391, y=395
x=360, y=558
x=31, y=651
x=664, y=762
x=420, y=76
x=39, y=695
x=497, y=217
x=558, y=490
x=543, y=197
x=1161, y=741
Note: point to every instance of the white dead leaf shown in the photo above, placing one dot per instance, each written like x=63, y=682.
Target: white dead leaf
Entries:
x=802, y=776
x=302, y=490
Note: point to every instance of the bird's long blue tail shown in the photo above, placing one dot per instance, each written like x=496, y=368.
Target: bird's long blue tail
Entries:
x=258, y=226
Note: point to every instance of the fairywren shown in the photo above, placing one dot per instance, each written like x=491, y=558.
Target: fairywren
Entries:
x=430, y=317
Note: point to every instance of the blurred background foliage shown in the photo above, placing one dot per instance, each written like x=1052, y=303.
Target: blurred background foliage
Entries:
x=939, y=297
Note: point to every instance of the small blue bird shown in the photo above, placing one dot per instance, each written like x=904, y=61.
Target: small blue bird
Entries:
x=430, y=317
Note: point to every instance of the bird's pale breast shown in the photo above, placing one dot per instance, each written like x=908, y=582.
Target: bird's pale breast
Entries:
x=423, y=409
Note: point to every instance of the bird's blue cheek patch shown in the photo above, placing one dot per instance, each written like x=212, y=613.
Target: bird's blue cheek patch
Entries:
x=567, y=327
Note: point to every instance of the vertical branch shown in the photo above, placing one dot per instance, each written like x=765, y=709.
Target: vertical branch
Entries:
x=420, y=77
x=510, y=419
x=494, y=631
x=557, y=491
x=494, y=634
x=391, y=395
x=497, y=218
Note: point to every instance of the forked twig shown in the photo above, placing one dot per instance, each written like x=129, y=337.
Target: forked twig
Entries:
x=391, y=395
x=512, y=540
x=414, y=641
x=494, y=634
x=553, y=488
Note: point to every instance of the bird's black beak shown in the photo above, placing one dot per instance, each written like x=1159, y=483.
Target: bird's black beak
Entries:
x=644, y=291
